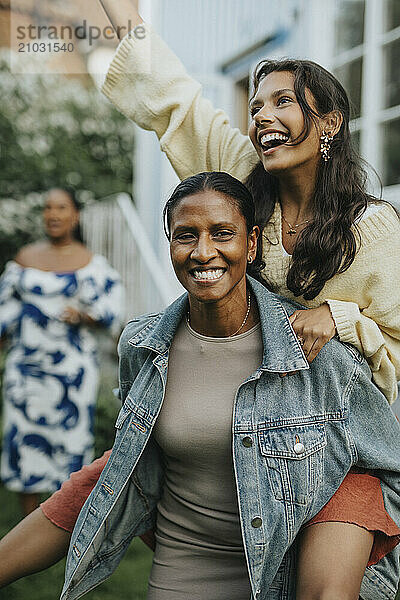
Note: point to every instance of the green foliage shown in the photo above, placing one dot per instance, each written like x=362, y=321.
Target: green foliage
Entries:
x=56, y=131
x=20, y=224
x=2, y=361
x=108, y=405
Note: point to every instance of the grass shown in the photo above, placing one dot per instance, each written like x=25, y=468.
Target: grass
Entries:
x=129, y=582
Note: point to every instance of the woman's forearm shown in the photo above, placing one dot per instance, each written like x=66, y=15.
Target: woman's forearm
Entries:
x=121, y=12
x=31, y=546
x=150, y=86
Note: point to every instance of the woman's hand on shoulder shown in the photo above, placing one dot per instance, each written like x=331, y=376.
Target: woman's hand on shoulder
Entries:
x=314, y=328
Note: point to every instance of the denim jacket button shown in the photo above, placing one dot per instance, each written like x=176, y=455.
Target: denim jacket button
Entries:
x=247, y=442
x=299, y=448
x=256, y=522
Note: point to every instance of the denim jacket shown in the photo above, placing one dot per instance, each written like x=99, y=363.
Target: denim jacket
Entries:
x=293, y=441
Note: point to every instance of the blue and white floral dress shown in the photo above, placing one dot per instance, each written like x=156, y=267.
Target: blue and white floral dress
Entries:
x=51, y=372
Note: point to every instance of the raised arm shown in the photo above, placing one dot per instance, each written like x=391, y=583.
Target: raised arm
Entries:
x=149, y=85
x=119, y=12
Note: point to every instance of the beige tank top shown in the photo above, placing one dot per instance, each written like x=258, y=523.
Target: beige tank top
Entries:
x=199, y=553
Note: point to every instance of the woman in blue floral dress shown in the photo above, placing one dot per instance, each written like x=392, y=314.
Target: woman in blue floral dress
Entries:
x=53, y=296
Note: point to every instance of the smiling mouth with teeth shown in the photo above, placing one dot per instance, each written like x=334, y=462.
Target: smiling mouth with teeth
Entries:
x=273, y=140
x=209, y=275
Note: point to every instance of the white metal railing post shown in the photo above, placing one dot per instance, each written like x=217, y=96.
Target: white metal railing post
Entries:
x=112, y=227
x=146, y=249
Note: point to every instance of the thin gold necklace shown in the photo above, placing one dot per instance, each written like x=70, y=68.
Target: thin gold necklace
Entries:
x=243, y=322
x=293, y=228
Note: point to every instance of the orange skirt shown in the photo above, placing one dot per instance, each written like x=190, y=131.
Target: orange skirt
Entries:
x=359, y=500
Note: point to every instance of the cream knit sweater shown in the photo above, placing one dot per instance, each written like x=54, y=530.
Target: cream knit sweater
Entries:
x=149, y=84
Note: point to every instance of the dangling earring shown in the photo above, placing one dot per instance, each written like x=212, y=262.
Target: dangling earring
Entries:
x=326, y=141
x=250, y=260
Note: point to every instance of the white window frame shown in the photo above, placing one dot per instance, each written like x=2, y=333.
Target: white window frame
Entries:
x=373, y=114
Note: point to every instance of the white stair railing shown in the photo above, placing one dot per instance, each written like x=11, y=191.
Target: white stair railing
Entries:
x=113, y=228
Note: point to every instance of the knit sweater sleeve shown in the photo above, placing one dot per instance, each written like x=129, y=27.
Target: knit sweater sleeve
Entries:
x=374, y=327
x=149, y=85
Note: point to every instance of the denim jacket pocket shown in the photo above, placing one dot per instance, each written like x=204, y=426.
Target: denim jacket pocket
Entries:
x=293, y=456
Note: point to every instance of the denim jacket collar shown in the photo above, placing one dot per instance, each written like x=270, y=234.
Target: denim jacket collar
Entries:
x=282, y=351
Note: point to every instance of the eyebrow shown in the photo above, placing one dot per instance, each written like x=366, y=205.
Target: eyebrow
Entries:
x=213, y=227
x=274, y=95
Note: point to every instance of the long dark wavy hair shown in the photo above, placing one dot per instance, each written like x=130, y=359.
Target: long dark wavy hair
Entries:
x=328, y=244
x=233, y=189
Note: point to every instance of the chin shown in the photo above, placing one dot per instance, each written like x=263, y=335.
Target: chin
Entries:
x=278, y=167
x=274, y=169
x=206, y=296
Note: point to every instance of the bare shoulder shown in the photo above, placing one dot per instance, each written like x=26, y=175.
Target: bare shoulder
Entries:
x=83, y=252
x=47, y=257
x=30, y=254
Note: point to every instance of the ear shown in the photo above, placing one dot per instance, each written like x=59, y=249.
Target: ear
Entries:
x=252, y=242
x=332, y=122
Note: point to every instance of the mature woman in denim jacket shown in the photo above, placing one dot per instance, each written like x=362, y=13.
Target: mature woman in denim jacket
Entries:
x=294, y=438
